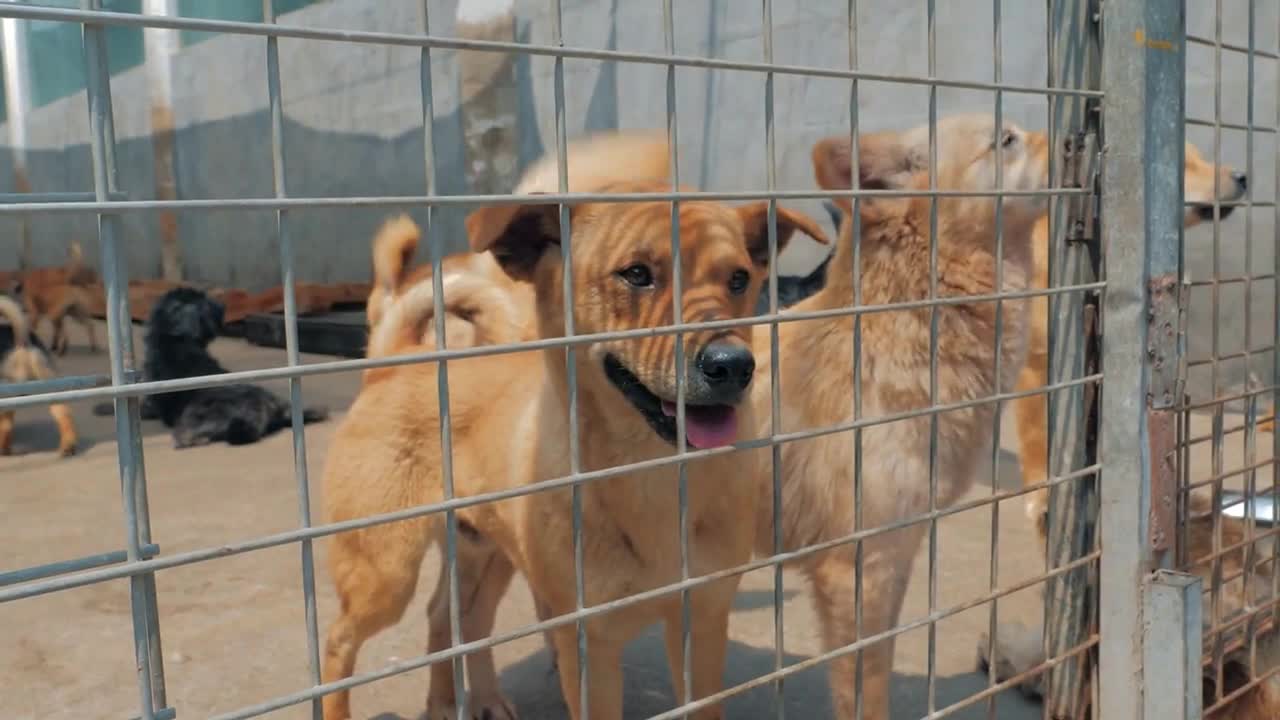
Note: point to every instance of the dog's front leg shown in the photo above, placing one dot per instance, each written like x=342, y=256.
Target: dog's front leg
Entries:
x=709, y=642
x=604, y=676
x=886, y=568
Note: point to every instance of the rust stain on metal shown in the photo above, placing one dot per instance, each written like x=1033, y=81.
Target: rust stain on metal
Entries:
x=1162, y=340
x=1162, y=441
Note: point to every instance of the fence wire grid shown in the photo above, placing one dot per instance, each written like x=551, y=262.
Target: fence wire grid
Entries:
x=1140, y=610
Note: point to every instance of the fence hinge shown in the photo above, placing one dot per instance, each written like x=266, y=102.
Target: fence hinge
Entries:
x=1081, y=171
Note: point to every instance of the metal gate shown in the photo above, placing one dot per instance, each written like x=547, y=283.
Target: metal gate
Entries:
x=1125, y=380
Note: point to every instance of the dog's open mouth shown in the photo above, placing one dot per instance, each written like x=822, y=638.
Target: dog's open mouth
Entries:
x=705, y=426
x=1205, y=211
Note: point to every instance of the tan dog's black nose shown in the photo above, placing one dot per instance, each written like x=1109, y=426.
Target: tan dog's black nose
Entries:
x=1242, y=180
x=727, y=366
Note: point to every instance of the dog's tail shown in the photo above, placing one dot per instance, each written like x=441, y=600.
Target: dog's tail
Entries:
x=17, y=320
x=24, y=362
x=600, y=159
x=393, y=249
x=468, y=296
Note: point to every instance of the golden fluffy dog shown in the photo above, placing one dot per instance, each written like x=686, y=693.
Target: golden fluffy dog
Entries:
x=1033, y=410
x=509, y=417
x=817, y=358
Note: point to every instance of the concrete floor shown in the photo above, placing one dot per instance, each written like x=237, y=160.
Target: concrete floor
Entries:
x=234, y=631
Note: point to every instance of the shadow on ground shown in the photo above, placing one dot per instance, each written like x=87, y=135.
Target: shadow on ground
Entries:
x=533, y=687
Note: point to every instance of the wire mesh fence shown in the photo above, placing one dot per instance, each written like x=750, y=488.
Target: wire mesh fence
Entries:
x=642, y=411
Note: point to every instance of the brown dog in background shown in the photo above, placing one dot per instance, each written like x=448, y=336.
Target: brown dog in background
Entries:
x=509, y=414
x=61, y=293
x=24, y=361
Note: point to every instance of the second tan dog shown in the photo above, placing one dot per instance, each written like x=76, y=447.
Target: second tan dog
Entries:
x=817, y=356
x=509, y=418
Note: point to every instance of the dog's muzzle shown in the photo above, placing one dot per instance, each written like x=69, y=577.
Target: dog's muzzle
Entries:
x=721, y=373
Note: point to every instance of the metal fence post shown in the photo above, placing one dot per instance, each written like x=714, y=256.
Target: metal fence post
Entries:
x=1071, y=525
x=1143, y=75
x=133, y=478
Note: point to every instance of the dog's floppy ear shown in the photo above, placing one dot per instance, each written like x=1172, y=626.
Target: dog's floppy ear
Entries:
x=755, y=225
x=885, y=162
x=517, y=235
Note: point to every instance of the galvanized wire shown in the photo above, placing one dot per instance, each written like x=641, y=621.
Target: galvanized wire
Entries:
x=123, y=388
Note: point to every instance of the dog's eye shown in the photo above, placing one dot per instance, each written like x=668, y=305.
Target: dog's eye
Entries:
x=1008, y=140
x=738, y=282
x=637, y=276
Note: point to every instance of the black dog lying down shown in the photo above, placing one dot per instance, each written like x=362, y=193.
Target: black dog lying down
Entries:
x=182, y=324
x=794, y=288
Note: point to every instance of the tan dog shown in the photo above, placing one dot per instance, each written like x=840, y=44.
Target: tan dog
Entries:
x=509, y=420
x=24, y=362
x=816, y=359
x=1020, y=649
x=66, y=293
x=1033, y=410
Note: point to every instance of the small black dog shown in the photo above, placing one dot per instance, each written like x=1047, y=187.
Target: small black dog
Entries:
x=182, y=324
x=794, y=288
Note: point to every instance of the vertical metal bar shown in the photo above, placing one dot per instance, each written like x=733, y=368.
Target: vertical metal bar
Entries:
x=1251, y=401
x=1218, y=446
x=1052, y=332
x=677, y=309
x=287, y=264
x=146, y=629
x=993, y=570
x=1171, y=647
x=779, y=634
x=442, y=369
x=571, y=364
x=1144, y=71
x=932, y=659
x=855, y=240
x=1069, y=615
x=1275, y=353
x=17, y=91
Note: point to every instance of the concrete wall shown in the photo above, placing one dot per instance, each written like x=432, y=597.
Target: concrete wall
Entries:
x=353, y=125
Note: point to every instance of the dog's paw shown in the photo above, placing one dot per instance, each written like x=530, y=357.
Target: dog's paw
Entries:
x=1017, y=650
x=492, y=707
x=68, y=450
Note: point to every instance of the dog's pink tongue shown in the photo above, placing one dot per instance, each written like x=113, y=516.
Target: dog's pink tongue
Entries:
x=707, y=426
